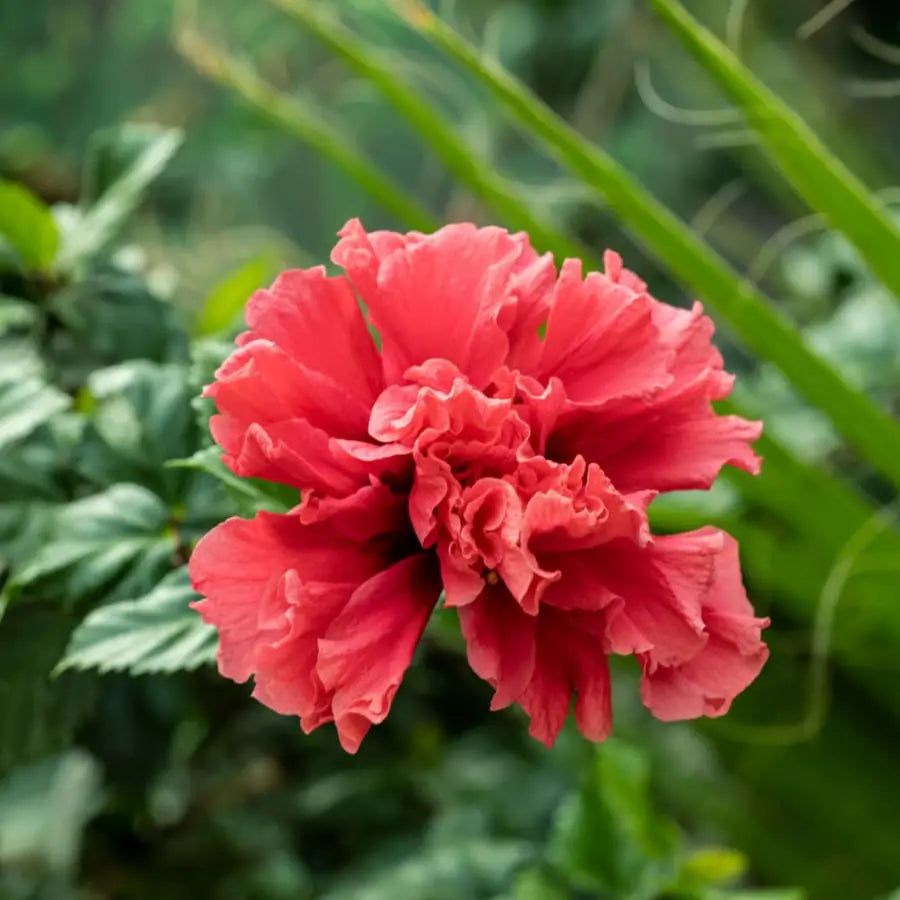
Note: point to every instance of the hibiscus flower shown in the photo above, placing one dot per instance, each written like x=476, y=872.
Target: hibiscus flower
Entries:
x=500, y=447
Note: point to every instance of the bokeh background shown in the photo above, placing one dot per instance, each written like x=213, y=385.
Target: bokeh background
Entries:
x=179, y=785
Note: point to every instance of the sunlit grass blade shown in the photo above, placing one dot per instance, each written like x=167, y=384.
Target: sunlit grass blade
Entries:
x=477, y=174
x=752, y=317
x=303, y=121
x=815, y=173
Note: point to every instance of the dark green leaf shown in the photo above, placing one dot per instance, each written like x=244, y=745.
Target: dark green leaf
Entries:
x=106, y=217
x=117, y=543
x=37, y=713
x=43, y=810
x=108, y=318
x=25, y=403
x=112, y=152
x=140, y=416
x=158, y=632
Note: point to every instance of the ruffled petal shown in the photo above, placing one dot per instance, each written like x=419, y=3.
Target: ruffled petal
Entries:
x=273, y=585
x=369, y=646
x=661, y=587
x=602, y=341
x=317, y=322
x=707, y=683
x=293, y=452
x=570, y=658
x=440, y=297
x=260, y=384
x=676, y=443
x=500, y=643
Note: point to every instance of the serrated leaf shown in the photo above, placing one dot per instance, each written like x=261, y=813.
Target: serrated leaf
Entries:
x=140, y=416
x=27, y=225
x=111, y=317
x=115, y=543
x=105, y=218
x=25, y=403
x=158, y=632
x=226, y=300
x=24, y=529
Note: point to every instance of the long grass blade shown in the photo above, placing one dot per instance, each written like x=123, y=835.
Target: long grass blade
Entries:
x=826, y=184
x=303, y=121
x=751, y=315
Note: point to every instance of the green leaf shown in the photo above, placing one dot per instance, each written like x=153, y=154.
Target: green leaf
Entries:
x=43, y=811
x=229, y=296
x=26, y=403
x=607, y=836
x=116, y=543
x=111, y=317
x=712, y=866
x=301, y=119
x=250, y=494
x=27, y=226
x=818, y=176
x=158, y=632
x=758, y=323
x=106, y=217
x=533, y=884
x=140, y=416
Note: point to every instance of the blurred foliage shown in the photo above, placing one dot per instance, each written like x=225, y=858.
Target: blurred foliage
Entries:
x=139, y=207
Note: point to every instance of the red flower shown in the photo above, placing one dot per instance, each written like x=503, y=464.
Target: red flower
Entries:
x=473, y=453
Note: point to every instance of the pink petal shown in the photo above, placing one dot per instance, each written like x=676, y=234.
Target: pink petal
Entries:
x=570, y=659
x=260, y=384
x=500, y=643
x=292, y=452
x=661, y=587
x=316, y=321
x=731, y=659
x=369, y=646
x=437, y=297
x=602, y=342
x=679, y=446
x=274, y=585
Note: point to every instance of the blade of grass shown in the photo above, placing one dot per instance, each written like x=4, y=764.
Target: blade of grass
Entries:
x=751, y=315
x=826, y=184
x=807, y=498
x=489, y=184
x=304, y=122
